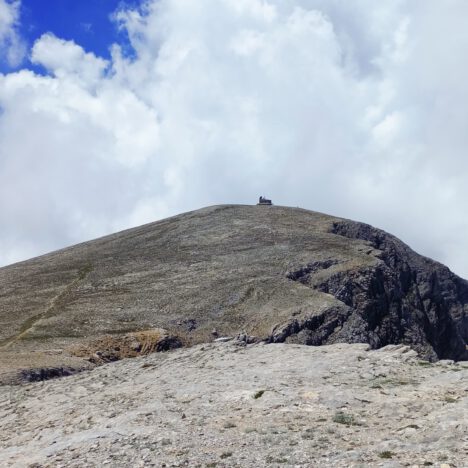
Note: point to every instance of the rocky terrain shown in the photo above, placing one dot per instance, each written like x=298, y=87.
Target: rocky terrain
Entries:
x=275, y=274
x=228, y=404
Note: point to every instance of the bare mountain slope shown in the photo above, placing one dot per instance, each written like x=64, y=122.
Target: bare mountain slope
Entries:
x=277, y=273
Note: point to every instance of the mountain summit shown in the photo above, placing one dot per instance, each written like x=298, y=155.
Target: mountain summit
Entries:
x=267, y=272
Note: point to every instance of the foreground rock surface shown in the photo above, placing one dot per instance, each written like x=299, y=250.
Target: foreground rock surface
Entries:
x=277, y=273
x=228, y=404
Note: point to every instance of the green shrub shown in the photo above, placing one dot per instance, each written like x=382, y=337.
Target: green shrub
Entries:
x=344, y=418
x=259, y=394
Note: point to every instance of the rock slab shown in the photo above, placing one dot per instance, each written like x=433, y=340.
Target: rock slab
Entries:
x=228, y=404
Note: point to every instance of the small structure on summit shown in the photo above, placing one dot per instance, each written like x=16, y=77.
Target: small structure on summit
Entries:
x=264, y=201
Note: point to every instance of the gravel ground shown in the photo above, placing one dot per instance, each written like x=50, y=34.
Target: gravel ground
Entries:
x=224, y=404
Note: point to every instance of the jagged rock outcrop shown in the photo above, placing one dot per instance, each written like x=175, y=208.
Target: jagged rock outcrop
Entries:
x=270, y=272
x=403, y=298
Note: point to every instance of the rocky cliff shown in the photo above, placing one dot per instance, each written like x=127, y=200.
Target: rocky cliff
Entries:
x=402, y=298
x=269, y=272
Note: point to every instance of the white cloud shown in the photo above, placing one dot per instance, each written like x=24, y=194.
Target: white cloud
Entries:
x=12, y=48
x=67, y=60
x=353, y=108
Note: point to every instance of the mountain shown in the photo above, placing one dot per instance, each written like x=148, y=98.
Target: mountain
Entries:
x=268, y=272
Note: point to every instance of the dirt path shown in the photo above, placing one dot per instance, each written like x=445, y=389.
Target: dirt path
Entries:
x=55, y=305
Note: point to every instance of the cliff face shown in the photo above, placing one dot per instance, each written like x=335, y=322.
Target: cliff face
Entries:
x=275, y=273
x=403, y=298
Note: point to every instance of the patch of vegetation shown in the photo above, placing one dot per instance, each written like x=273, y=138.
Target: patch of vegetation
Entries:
x=386, y=454
x=344, y=418
x=449, y=399
x=271, y=459
x=428, y=463
x=259, y=394
x=249, y=430
x=229, y=425
x=391, y=382
x=84, y=271
x=424, y=363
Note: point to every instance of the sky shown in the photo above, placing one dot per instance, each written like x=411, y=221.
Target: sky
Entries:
x=114, y=114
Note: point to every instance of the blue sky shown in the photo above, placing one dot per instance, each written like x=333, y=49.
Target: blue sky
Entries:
x=86, y=22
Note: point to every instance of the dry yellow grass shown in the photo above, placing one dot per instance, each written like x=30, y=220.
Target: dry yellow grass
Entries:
x=115, y=347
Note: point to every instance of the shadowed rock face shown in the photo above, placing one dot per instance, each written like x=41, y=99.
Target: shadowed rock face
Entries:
x=281, y=274
x=403, y=298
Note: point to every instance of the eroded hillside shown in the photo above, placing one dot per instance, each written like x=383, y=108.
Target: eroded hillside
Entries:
x=274, y=273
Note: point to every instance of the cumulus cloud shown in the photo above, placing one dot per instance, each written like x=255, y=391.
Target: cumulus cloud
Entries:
x=65, y=59
x=351, y=108
x=12, y=48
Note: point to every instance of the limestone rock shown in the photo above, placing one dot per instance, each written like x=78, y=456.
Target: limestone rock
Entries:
x=260, y=405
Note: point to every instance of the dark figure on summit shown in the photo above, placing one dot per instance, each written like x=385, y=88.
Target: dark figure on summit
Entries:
x=264, y=201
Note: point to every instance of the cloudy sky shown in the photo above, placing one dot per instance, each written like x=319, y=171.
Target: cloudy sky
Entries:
x=113, y=114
